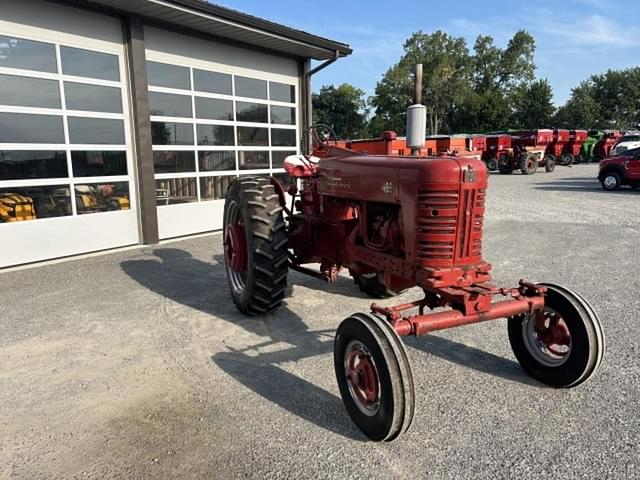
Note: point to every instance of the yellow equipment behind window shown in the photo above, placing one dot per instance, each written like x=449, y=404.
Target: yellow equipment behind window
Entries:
x=16, y=208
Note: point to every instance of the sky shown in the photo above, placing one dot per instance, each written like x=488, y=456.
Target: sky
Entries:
x=574, y=38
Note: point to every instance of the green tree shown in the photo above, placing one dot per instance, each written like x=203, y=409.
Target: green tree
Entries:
x=532, y=104
x=462, y=91
x=608, y=100
x=343, y=108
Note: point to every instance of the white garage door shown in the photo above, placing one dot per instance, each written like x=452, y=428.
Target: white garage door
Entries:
x=65, y=158
x=212, y=122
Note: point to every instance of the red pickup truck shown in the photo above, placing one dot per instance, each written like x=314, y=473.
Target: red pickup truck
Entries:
x=622, y=169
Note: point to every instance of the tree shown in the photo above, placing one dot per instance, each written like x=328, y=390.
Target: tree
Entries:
x=532, y=104
x=343, y=108
x=462, y=91
x=609, y=100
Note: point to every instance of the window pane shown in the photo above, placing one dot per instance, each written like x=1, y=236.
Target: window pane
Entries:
x=164, y=75
x=283, y=138
x=215, y=135
x=85, y=63
x=282, y=92
x=98, y=164
x=174, y=162
x=249, y=136
x=29, y=92
x=251, y=112
x=27, y=54
x=250, y=87
x=286, y=115
x=211, y=82
x=102, y=197
x=277, y=158
x=214, y=109
x=21, y=164
x=253, y=160
x=214, y=188
x=215, y=161
x=169, y=105
x=94, y=98
x=176, y=190
x=25, y=128
x=29, y=203
x=96, y=130
x=163, y=133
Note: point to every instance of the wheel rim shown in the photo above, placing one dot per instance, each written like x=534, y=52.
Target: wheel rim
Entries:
x=362, y=378
x=610, y=181
x=235, y=248
x=547, y=337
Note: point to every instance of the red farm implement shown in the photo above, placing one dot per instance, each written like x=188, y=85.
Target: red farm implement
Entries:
x=603, y=146
x=572, y=151
x=395, y=222
x=556, y=147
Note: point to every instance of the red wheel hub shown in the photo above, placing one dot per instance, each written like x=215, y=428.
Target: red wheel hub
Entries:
x=552, y=331
x=235, y=247
x=362, y=374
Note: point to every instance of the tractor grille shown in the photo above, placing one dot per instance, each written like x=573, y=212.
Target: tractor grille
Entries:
x=449, y=226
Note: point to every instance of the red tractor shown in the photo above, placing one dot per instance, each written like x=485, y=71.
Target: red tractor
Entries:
x=530, y=151
x=396, y=222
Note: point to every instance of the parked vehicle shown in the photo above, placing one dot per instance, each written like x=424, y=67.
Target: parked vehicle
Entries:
x=602, y=148
x=593, y=137
x=619, y=170
x=556, y=147
x=498, y=152
x=530, y=151
x=572, y=151
x=629, y=141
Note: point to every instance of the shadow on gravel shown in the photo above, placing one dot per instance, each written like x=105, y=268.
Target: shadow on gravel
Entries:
x=580, y=184
x=472, y=357
x=180, y=277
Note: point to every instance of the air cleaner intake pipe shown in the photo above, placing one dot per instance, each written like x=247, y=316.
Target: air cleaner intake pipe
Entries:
x=416, y=116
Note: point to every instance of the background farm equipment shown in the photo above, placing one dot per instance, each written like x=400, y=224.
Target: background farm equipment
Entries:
x=393, y=223
x=603, y=147
x=573, y=148
x=529, y=152
x=498, y=152
x=593, y=136
x=556, y=148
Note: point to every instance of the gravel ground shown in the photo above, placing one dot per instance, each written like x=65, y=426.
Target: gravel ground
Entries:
x=136, y=364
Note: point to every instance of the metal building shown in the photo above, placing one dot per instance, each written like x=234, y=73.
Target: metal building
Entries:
x=122, y=122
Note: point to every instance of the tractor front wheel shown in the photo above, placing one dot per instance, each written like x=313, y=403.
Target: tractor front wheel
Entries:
x=374, y=376
x=255, y=245
x=504, y=164
x=492, y=164
x=549, y=163
x=562, y=346
x=373, y=285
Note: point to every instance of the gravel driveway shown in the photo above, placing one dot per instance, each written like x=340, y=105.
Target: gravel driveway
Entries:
x=136, y=364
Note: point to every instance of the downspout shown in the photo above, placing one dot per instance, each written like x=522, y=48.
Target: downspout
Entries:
x=308, y=72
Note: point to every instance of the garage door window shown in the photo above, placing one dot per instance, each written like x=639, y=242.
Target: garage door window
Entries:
x=209, y=127
x=63, y=140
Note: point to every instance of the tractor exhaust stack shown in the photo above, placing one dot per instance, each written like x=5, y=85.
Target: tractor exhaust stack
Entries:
x=416, y=116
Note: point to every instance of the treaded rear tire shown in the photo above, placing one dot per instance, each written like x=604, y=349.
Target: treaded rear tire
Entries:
x=266, y=238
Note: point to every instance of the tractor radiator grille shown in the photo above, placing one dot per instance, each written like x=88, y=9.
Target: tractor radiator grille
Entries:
x=449, y=226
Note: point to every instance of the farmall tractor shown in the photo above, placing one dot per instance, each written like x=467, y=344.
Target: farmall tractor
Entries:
x=395, y=222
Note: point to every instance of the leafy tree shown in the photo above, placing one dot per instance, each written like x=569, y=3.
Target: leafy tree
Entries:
x=532, y=104
x=463, y=91
x=343, y=108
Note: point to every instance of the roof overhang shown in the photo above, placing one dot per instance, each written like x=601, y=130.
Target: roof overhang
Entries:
x=220, y=22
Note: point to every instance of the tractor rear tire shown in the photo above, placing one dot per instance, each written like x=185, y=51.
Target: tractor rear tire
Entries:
x=549, y=163
x=492, y=164
x=528, y=163
x=504, y=164
x=372, y=285
x=252, y=207
x=374, y=376
x=561, y=355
